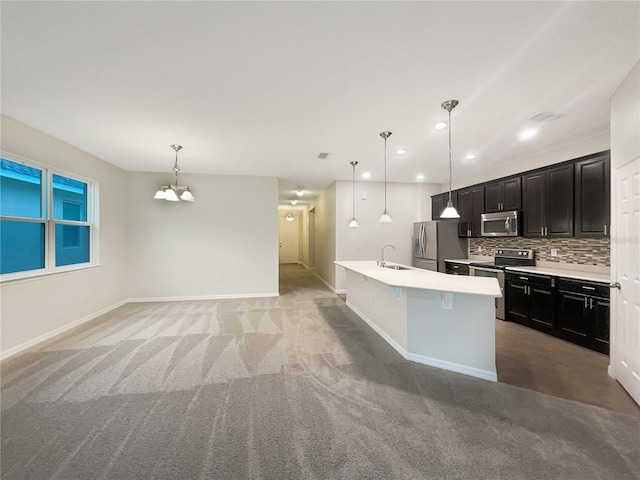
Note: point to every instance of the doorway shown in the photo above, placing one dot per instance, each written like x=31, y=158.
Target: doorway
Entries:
x=289, y=236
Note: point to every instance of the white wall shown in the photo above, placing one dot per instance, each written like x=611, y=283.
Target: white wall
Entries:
x=625, y=120
x=405, y=203
x=325, y=228
x=33, y=308
x=222, y=245
x=586, y=146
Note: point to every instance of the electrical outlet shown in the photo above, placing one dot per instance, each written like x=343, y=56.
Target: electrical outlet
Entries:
x=554, y=252
x=479, y=248
x=364, y=195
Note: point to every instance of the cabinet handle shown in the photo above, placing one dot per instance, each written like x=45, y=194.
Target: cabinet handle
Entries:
x=588, y=288
x=546, y=231
x=456, y=266
x=586, y=302
x=605, y=230
x=523, y=278
x=542, y=231
x=591, y=303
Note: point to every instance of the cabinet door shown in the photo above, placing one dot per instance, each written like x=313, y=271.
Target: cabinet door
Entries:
x=534, y=188
x=477, y=209
x=512, y=194
x=542, y=308
x=560, y=202
x=573, y=324
x=592, y=203
x=437, y=206
x=600, y=324
x=517, y=302
x=464, y=209
x=493, y=197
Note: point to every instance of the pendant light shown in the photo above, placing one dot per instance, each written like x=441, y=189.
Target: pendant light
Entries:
x=177, y=192
x=354, y=223
x=289, y=217
x=450, y=211
x=385, y=218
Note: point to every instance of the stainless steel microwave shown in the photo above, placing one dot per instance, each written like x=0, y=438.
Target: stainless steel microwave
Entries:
x=501, y=224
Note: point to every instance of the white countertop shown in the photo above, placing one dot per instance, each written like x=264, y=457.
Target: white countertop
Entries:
x=565, y=273
x=465, y=261
x=424, y=279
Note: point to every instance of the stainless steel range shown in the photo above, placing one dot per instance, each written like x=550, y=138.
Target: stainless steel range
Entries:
x=503, y=257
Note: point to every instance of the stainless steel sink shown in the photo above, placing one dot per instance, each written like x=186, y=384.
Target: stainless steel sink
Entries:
x=396, y=267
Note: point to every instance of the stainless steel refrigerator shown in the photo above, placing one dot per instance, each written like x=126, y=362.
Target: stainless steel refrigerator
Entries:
x=434, y=241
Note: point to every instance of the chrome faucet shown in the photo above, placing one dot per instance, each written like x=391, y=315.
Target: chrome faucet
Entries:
x=381, y=262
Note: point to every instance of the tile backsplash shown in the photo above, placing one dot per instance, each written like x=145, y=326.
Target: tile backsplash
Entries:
x=581, y=251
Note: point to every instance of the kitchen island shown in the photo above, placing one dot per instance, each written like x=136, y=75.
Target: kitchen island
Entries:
x=446, y=321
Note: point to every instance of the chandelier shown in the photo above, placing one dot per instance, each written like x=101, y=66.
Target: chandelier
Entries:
x=176, y=192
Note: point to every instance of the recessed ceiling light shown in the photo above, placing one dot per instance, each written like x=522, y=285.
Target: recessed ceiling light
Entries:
x=527, y=134
x=471, y=156
x=420, y=177
x=294, y=202
x=299, y=193
x=440, y=125
x=401, y=151
x=366, y=175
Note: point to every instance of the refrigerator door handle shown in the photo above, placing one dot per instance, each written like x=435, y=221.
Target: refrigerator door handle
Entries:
x=421, y=239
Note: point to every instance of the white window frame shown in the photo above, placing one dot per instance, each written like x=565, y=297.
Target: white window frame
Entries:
x=46, y=218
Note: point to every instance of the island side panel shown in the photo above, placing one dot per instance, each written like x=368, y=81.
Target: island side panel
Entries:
x=376, y=303
x=460, y=339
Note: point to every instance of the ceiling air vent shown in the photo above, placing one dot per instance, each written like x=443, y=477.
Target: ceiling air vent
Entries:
x=547, y=117
x=322, y=156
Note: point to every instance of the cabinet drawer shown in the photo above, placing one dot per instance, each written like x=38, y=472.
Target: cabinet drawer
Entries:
x=457, y=268
x=530, y=279
x=592, y=289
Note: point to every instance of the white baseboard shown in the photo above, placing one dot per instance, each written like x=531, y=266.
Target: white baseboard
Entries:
x=433, y=362
x=325, y=282
x=341, y=291
x=43, y=338
x=454, y=367
x=202, y=297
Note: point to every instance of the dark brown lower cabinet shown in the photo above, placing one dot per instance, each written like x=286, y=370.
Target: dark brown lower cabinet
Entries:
x=583, y=314
x=574, y=310
x=531, y=301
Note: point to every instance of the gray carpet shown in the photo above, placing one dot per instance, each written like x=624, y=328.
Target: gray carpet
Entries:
x=295, y=387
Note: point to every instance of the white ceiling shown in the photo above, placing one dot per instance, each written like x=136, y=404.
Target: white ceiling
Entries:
x=261, y=88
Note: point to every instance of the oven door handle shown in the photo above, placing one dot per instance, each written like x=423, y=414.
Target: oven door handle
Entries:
x=492, y=270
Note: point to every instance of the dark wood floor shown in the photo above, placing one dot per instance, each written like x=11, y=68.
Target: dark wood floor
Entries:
x=531, y=359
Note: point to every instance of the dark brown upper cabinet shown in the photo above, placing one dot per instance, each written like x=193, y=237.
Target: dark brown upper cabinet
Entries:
x=503, y=195
x=470, y=208
x=592, y=200
x=547, y=201
x=438, y=202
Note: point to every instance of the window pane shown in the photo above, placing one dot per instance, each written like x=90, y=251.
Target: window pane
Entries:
x=69, y=199
x=20, y=190
x=21, y=246
x=72, y=244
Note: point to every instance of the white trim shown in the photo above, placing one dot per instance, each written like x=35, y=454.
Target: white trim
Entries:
x=433, y=362
x=340, y=291
x=454, y=367
x=398, y=348
x=325, y=282
x=202, y=297
x=53, y=333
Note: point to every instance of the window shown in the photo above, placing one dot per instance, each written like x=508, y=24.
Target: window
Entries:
x=47, y=219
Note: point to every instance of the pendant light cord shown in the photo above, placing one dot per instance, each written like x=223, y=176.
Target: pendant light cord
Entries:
x=385, y=173
x=450, y=156
x=353, y=190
